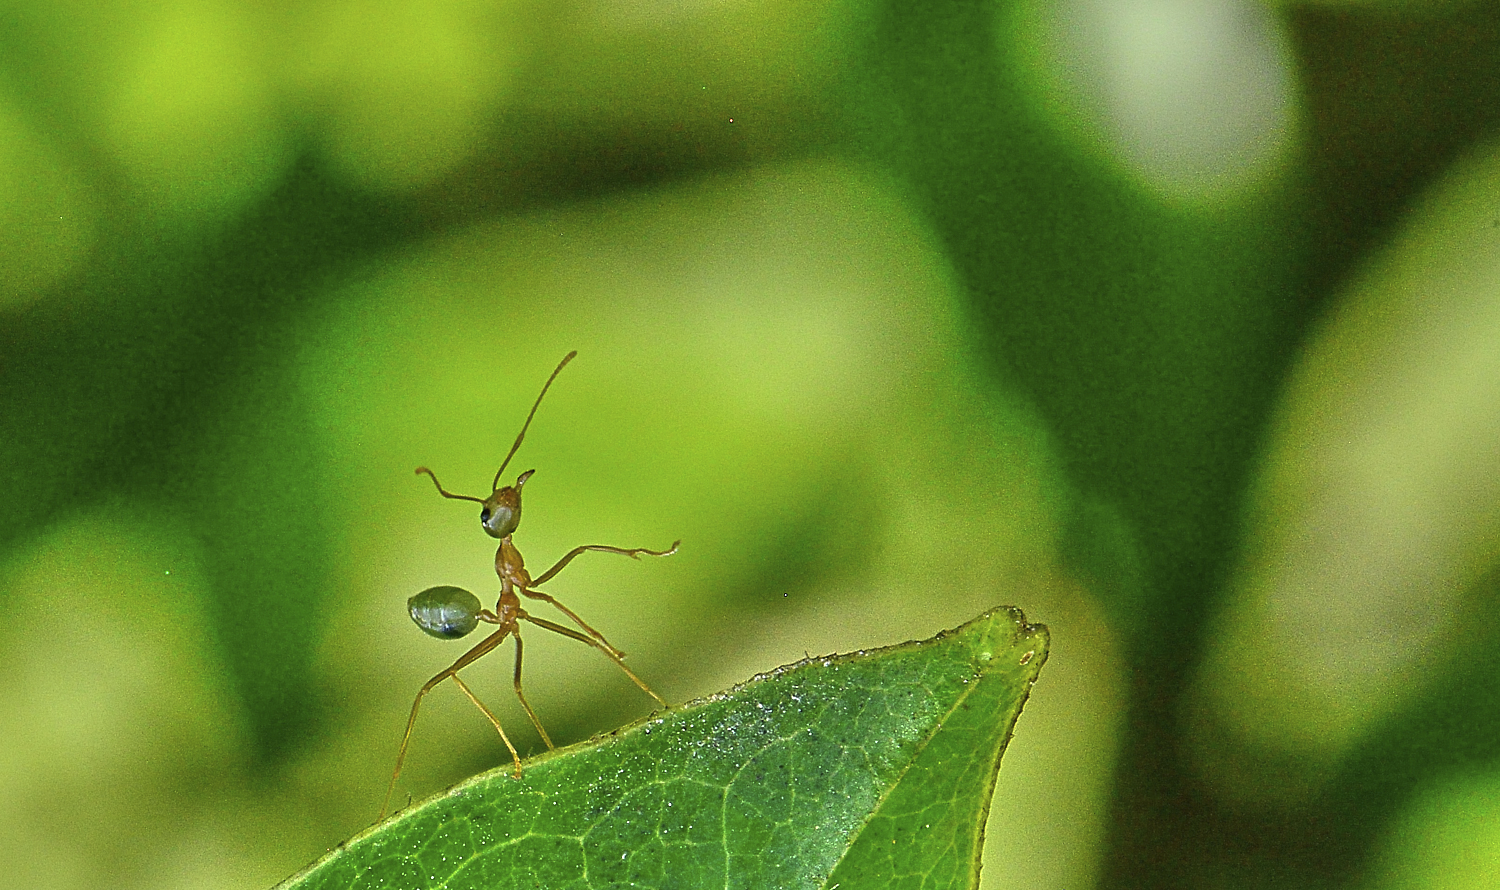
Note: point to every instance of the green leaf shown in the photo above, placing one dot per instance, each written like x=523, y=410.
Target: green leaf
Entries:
x=854, y=771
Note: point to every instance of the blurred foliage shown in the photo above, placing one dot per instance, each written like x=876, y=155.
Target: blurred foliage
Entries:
x=1166, y=321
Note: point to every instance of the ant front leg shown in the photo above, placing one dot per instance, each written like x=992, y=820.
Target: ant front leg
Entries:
x=635, y=553
x=573, y=554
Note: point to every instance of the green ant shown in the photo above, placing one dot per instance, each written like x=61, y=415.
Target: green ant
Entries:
x=452, y=612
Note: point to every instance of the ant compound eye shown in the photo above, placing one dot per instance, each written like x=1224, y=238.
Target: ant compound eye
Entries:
x=445, y=612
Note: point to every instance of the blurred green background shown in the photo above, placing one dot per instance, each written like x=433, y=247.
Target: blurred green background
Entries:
x=1175, y=323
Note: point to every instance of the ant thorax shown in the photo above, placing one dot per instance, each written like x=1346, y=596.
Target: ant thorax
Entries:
x=510, y=566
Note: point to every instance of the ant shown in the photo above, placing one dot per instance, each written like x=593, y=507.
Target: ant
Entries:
x=452, y=612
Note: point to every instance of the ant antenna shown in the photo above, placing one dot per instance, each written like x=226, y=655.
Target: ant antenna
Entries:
x=423, y=471
x=521, y=435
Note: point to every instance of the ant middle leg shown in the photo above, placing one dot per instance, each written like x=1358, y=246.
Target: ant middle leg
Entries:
x=522, y=696
x=515, y=757
x=598, y=638
x=551, y=573
x=602, y=646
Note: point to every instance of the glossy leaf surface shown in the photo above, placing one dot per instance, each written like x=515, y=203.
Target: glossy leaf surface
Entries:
x=873, y=769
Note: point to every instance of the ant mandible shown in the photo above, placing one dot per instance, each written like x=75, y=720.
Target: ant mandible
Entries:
x=452, y=612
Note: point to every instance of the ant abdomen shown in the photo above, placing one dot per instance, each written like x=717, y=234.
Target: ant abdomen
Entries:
x=445, y=612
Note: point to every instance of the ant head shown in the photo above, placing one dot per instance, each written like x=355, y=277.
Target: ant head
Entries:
x=501, y=513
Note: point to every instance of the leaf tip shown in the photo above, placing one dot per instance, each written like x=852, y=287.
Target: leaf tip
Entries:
x=1006, y=632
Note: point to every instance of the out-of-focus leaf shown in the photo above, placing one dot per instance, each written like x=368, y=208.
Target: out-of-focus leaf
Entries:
x=1373, y=533
x=1149, y=333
